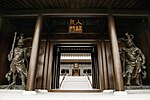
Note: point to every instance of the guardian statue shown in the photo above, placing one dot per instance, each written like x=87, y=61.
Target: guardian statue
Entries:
x=133, y=62
x=18, y=57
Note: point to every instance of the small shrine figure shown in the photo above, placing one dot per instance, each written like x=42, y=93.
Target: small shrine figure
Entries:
x=18, y=57
x=133, y=62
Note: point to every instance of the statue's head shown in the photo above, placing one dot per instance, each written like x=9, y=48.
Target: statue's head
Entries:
x=20, y=41
x=129, y=42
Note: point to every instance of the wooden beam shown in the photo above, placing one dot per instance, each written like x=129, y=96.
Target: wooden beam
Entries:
x=74, y=12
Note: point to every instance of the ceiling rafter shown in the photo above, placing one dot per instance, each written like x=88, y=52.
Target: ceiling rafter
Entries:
x=116, y=4
x=134, y=3
x=52, y=4
x=121, y=4
x=34, y=3
x=67, y=4
x=73, y=4
x=3, y=5
x=88, y=3
x=100, y=3
x=106, y=3
x=92, y=3
x=28, y=5
x=61, y=3
x=129, y=3
x=95, y=2
x=55, y=2
x=21, y=4
x=78, y=4
x=48, y=4
x=44, y=3
x=138, y=3
x=40, y=3
x=15, y=2
x=8, y=4
x=110, y=5
x=82, y=3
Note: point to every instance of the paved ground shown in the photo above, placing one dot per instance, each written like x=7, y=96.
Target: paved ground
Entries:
x=18, y=95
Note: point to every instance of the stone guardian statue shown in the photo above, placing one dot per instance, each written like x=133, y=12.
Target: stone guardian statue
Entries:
x=18, y=65
x=133, y=62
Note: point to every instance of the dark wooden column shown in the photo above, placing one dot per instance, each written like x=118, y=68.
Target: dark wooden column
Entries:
x=104, y=64
x=58, y=69
x=54, y=68
x=34, y=55
x=115, y=53
x=149, y=22
x=1, y=21
x=49, y=73
x=1, y=27
x=94, y=74
x=46, y=62
x=101, y=74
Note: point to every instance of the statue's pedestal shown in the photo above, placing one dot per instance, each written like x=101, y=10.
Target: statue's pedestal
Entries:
x=12, y=87
x=136, y=87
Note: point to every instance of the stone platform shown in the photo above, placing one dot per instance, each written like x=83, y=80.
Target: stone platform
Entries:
x=137, y=87
x=13, y=87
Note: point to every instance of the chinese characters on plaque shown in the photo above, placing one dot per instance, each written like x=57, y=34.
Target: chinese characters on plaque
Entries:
x=75, y=26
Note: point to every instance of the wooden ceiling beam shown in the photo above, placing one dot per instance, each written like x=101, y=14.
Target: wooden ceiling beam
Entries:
x=74, y=12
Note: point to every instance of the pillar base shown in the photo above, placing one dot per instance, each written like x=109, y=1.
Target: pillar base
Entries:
x=108, y=91
x=29, y=92
x=120, y=93
x=41, y=91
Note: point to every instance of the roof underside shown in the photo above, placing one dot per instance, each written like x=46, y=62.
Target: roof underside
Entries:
x=73, y=4
x=87, y=11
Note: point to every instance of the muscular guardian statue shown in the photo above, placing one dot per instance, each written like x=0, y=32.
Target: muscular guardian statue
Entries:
x=133, y=62
x=17, y=56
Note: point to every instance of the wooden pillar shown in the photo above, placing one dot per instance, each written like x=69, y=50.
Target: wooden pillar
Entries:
x=58, y=69
x=101, y=74
x=104, y=64
x=94, y=76
x=46, y=62
x=115, y=53
x=1, y=28
x=49, y=74
x=149, y=23
x=34, y=55
x=1, y=21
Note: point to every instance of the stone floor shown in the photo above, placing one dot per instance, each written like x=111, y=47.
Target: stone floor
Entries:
x=42, y=95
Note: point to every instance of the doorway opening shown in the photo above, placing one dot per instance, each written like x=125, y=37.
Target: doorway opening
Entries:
x=75, y=67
